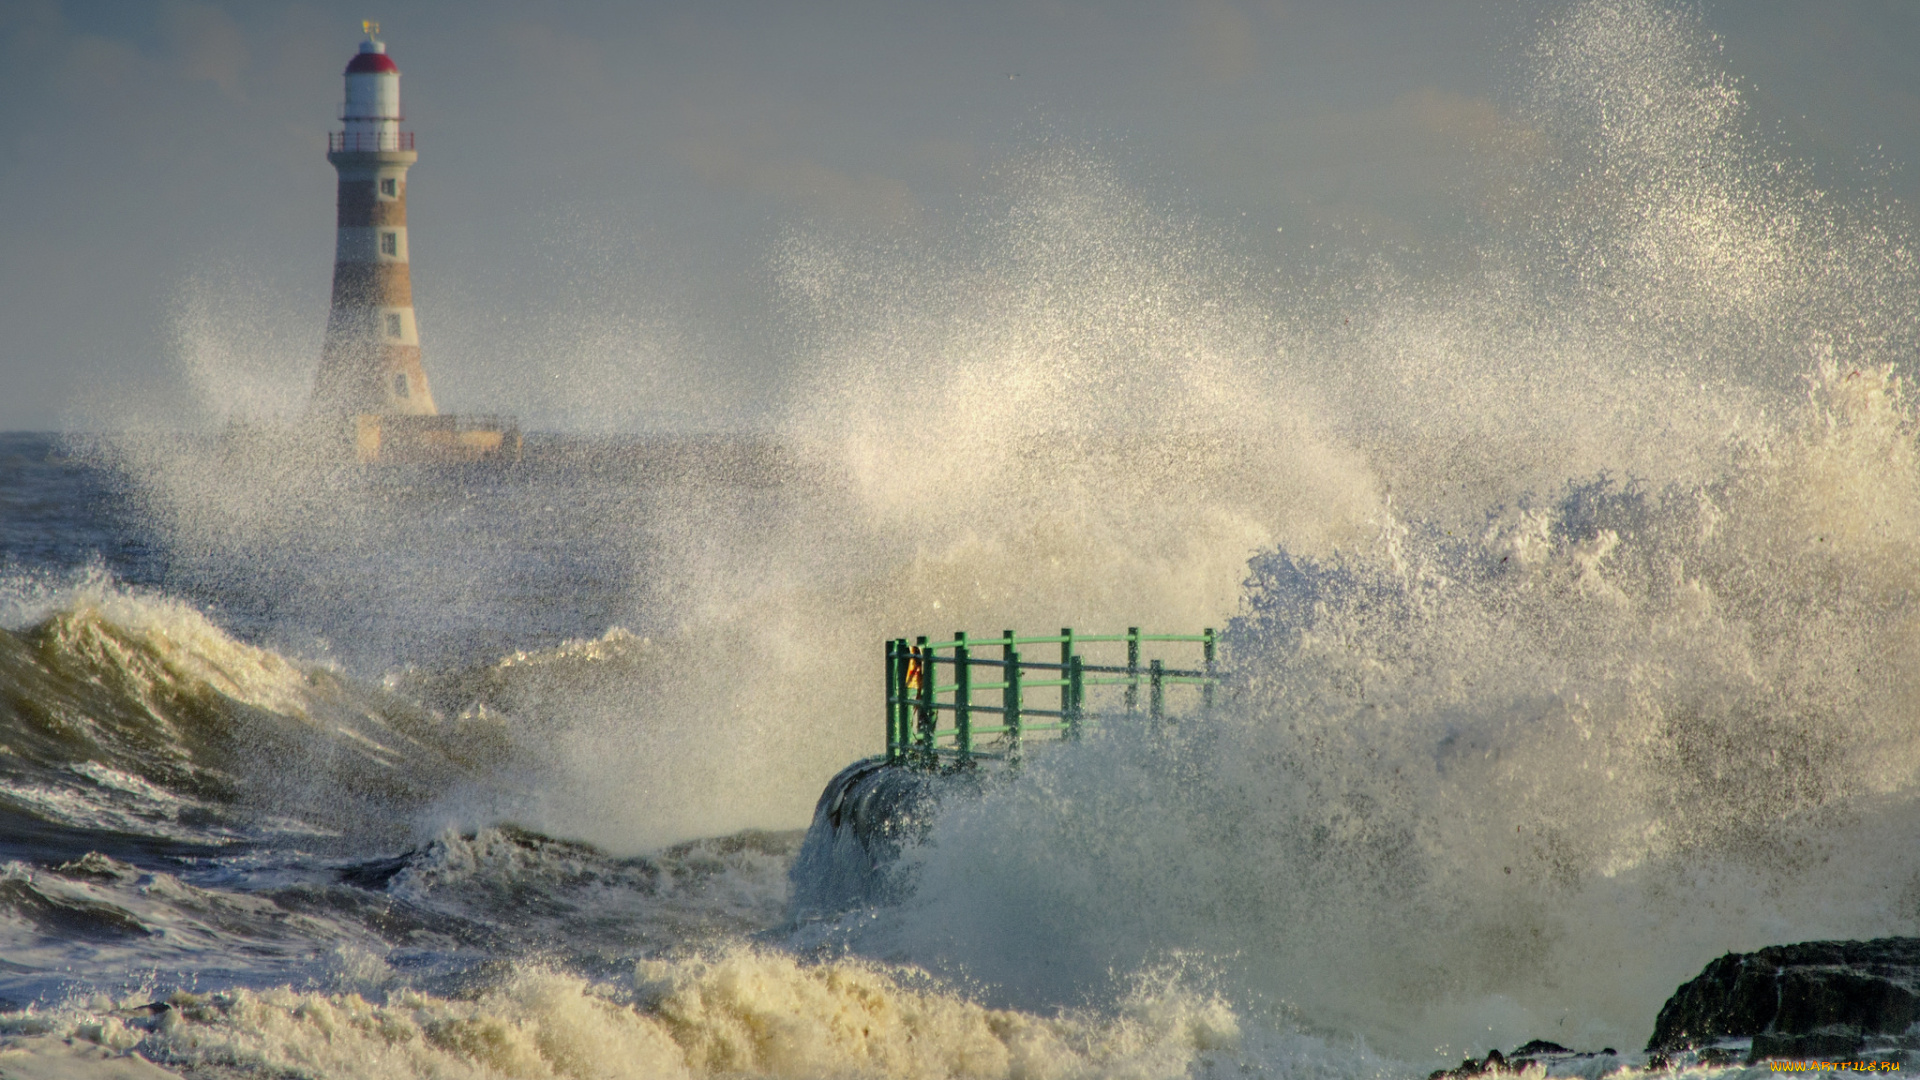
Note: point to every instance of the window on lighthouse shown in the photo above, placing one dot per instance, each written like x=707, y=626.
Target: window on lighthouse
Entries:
x=389, y=243
x=400, y=384
x=393, y=325
x=389, y=186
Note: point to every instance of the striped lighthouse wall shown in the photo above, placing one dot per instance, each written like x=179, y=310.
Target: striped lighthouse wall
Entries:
x=371, y=360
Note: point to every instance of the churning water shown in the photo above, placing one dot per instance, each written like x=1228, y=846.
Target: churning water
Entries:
x=1571, y=615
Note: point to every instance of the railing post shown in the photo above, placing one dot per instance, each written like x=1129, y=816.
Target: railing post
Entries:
x=904, y=721
x=1157, y=699
x=962, y=697
x=927, y=713
x=1076, y=694
x=1066, y=660
x=892, y=697
x=1133, y=669
x=903, y=703
x=1206, y=688
x=1010, y=697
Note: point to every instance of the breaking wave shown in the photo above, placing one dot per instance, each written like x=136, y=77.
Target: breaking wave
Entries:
x=739, y=1012
x=132, y=712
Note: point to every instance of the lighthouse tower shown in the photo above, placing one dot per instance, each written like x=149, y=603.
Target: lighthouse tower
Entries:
x=370, y=363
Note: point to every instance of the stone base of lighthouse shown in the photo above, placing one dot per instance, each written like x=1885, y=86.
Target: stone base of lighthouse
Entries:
x=444, y=438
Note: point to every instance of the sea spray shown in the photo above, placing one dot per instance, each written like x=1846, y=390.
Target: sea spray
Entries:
x=1616, y=681
x=1519, y=781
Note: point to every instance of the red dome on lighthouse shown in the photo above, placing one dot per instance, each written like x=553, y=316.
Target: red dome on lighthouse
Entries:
x=372, y=110
x=373, y=58
x=372, y=63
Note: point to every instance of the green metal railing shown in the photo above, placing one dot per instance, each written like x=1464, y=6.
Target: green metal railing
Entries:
x=917, y=699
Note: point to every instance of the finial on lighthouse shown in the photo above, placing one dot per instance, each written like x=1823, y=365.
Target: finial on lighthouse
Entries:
x=373, y=44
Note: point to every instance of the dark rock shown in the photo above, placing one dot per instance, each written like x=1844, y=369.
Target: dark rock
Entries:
x=376, y=874
x=1494, y=1063
x=865, y=816
x=1467, y=1067
x=145, y=1016
x=1817, y=1045
x=1718, y=1055
x=1815, y=999
x=1524, y=1057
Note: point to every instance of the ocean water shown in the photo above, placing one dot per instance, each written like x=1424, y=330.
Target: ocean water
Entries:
x=1571, y=628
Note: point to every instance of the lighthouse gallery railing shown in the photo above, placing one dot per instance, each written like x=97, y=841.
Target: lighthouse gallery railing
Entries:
x=918, y=701
x=368, y=142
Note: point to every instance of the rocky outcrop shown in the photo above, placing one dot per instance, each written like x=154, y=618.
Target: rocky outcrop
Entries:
x=1551, y=1057
x=1818, y=999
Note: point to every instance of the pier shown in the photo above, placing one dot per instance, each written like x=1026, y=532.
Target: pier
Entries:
x=1059, y=688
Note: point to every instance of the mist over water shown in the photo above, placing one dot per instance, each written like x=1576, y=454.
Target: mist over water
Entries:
x=1569, y=593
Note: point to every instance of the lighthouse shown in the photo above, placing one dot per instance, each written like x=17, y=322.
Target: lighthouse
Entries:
x=370, y=387
x=370, y=363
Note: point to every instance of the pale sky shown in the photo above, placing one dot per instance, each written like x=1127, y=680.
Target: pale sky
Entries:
x=604, y=188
